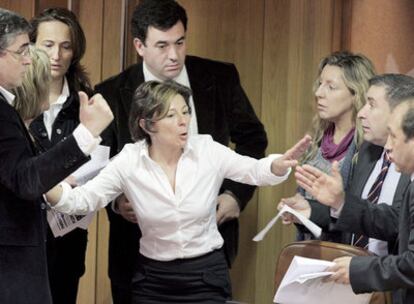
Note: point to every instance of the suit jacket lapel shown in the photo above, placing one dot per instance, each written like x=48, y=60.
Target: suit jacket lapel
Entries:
x=373, y=153
x=203, y=87
x=22, y=125
x=132, y=82
x=401, y=187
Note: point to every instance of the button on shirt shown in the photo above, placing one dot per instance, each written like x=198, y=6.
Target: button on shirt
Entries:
x=387, y=196
x=174, y=224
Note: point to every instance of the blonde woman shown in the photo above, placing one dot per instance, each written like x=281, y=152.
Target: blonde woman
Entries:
x=32, y=96
x=339, y=89
x=58, y=32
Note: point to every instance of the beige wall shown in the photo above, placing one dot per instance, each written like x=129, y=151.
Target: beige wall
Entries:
x=276, y=45
x=384, y=31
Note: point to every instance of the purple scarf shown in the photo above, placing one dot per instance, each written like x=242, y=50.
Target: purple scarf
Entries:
x=331, y=151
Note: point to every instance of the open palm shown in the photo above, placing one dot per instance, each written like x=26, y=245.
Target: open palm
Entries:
x=327, y=189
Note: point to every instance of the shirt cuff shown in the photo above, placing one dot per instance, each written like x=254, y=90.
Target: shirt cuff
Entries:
x=336, y=213
x=276, y=179
x=60, y=206
x=85, y=140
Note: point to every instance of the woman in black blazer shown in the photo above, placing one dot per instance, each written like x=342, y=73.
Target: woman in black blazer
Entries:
x=58, y=32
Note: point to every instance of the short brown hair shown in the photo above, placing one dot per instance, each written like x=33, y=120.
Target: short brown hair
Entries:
x=151, y=102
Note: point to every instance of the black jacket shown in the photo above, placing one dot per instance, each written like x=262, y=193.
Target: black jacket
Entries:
x=390, y=223
x=66, y=254
x=24, y=177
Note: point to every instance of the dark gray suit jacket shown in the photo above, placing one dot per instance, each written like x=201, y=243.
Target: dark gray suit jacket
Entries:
x=368, y=156
x=390, y=223
x=24, y=177
x=223, y=110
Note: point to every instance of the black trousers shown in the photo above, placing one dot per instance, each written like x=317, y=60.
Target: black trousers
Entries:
x=201, y=280
x=121, y=294
x=66, y=264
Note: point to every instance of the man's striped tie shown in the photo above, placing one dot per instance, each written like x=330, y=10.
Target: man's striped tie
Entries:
x=374, y=194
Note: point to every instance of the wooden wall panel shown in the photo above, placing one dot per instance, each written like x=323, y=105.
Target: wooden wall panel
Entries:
x=43, y=4
x=240, y=41
x=381, y=29
x=23, y=7
x=297, y=34
x=88, y=289
x=111, y=64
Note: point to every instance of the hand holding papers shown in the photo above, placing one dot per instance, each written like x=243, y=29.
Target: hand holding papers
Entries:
x=60, y=223
x=303, y=283
x=313, y=228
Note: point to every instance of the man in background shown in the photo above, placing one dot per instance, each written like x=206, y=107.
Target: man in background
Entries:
x=372, y=273
x=220, y=108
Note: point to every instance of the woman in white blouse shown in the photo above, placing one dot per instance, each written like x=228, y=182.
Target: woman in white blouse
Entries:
x=173, y=181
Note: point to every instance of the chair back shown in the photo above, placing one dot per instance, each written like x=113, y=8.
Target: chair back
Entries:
x=324, y=251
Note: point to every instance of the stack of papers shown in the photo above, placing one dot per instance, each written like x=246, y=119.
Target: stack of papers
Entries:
x=302, y=283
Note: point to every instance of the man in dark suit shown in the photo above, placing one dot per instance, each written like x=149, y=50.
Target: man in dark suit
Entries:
x=384, y=93
x=24, y=177
x=392, y=272
x=220, y=108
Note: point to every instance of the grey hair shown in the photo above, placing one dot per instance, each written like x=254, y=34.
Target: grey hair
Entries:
x=398, y=87
x=11, y=25
x=407, y=123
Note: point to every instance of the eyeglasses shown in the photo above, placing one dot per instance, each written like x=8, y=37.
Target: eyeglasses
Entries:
x=21, y=53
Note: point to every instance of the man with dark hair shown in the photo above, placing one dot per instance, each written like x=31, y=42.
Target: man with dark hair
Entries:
x=24, y=177
x=384, y=93
x=220, y=108
x=390, y=223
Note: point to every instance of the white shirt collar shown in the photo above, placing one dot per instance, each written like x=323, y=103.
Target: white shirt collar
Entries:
x=182, y=78
x=144, y=151
x=64, y=94
x=9, y=96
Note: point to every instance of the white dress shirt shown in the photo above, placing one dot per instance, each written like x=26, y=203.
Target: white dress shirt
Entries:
x=174, y=224
x=182, y=79
x=9, y=96
x=386, y=197
x=49, y=116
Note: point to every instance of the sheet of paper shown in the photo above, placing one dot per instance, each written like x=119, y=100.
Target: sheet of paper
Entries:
x=312, y=227
x=99, y=159
x=303, y=283
x=61, y=224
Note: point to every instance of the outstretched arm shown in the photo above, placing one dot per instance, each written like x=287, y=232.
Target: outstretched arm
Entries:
x=281, y=165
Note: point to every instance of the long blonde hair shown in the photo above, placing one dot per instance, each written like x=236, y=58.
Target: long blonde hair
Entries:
x=34, y=91
x=357, y=70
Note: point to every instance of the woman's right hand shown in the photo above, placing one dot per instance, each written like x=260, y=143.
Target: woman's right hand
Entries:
x=297, y=203
x=124, y=207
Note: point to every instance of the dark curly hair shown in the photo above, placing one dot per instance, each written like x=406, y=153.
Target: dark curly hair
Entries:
x=161, y=14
